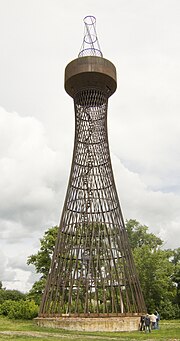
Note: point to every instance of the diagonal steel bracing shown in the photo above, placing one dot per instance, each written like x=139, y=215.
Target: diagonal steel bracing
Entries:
x=92, y=271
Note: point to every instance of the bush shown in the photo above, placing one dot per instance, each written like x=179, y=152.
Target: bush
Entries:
x=5, y=307
x=169, y=311
x=25, y=310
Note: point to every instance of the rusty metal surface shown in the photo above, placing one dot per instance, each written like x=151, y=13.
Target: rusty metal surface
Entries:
x=92, y=271
x=90, y=72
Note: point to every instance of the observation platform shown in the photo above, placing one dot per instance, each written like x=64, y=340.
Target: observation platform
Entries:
x=90, y=72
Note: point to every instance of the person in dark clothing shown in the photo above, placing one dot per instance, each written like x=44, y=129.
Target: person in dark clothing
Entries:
x=142, y=325
x=147, y=324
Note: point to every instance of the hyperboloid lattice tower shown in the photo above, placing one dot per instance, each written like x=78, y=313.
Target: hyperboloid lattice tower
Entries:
x=92, y=271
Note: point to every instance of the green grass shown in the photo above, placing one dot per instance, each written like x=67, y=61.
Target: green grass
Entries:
x=27, y=330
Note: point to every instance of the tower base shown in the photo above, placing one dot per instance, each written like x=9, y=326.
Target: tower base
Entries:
x=89, y=324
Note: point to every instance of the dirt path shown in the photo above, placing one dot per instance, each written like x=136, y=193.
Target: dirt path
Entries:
x=46, y=335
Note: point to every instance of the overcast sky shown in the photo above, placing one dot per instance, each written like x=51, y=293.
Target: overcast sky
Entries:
x=38, y=38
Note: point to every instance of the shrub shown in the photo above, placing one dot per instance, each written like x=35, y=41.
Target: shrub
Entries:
x=6, y=306
x=25, y=310
x=168, y=310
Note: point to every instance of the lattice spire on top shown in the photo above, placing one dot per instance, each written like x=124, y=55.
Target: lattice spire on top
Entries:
x=92, y=271
x=90, y=45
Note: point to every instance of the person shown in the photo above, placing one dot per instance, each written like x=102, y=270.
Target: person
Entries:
x=157, y=319
x=153, y=321
x=142, y=325
x=147, y=323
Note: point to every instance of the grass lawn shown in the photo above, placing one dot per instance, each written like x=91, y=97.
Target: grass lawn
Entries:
x=27, y=330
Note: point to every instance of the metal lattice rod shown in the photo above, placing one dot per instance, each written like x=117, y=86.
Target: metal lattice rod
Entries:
x=90, y=45
x=92, y=270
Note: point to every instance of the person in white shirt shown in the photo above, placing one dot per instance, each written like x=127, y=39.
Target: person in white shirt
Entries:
x=153, y=321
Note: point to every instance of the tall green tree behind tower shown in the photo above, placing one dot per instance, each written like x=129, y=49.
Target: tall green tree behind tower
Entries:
x=158, y=269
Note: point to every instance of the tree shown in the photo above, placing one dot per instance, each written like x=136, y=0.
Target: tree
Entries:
x=176, y=275
x=155, y=271
x=13, y=295
x=158, y=269
x=139, y=236
x=42, y=259
x=36, y=291
x=154, y=266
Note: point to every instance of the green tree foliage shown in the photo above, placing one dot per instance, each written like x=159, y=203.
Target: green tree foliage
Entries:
x=42, y=259
x=36, y=291
x=139, y=236
x=14, y=304
x=158, y=269
x=19, y=309
x=155, y=268
x=176, y=275
x=13, y=295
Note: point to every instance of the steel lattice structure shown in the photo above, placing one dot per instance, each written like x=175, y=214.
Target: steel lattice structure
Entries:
x=92, y=271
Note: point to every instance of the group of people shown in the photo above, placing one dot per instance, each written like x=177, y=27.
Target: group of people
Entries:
x=149, y=322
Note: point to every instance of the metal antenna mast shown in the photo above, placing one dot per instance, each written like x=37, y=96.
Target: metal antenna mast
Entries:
x=90, y=45
x=92, y=272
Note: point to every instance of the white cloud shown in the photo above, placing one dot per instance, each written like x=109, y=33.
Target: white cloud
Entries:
x=37, y=40
x=6, y=273
x=157, y=209
x=31, y=176
x=30, y=171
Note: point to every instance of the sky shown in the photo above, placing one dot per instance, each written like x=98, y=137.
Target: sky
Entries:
x=38, y=38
